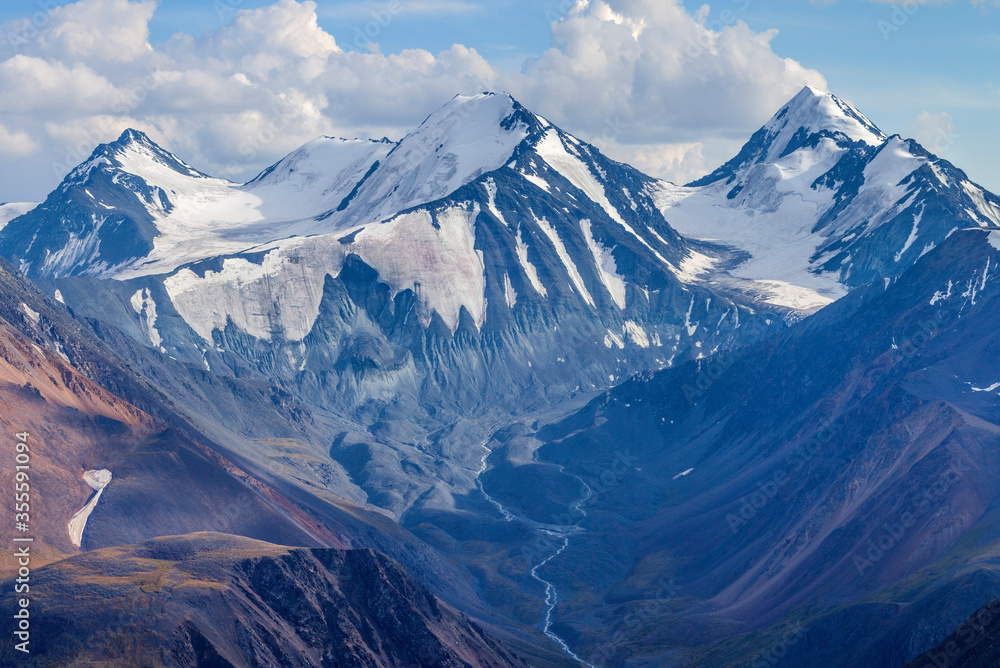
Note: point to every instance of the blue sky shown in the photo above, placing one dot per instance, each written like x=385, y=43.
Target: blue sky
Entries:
x=931, y=71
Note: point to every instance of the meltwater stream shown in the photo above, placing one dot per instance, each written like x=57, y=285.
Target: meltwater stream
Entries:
x=551, y=595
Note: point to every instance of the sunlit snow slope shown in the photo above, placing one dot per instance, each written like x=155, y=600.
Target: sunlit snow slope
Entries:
x=823, y=201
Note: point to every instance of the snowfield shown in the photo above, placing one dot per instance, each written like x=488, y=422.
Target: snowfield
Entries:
x=98, y=480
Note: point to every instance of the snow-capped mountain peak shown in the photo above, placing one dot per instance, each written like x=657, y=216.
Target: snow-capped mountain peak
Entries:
x=823, y=201
x=458, y=143
x=136, y=154
x=813, y=112
x=811, y=119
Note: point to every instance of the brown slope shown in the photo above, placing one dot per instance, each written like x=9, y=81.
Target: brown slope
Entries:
x=73, y=424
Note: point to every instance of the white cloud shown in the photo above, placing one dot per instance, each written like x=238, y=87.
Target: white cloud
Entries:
x=935, y=131
x=43, y=87
x=652, y=73
x=96, y=30
x=653, y=83
x=383, y=13
x=16, y=144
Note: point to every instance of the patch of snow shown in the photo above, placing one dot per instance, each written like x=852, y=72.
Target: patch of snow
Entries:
x=938, y=296
x=315, y=178
x=607, y=269
x=540, y=182
x=913, y=234
x=443, y=259
x=491, y=194
x=691, y=327
x=510, y=295
x=280, y=296
x=773, y=218
x=33, y=315
x=982, y=205
x=814, y=111
x=98, y=480
x=454, y=146
x=567, y=261
x=553, y=151
x=693, y=266
x=529, y=269
x=991, y=388
x=145, y=307
x=637, y=334
x=321, y=188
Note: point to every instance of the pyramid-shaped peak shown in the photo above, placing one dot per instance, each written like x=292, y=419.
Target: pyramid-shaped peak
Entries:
x=134, y=152
x=133, y=136
x=804, y=120
x=814, y=111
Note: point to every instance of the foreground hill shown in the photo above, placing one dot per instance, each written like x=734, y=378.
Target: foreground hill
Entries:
x=223, y=601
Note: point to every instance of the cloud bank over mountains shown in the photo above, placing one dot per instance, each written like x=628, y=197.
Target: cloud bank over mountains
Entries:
x=648, y=81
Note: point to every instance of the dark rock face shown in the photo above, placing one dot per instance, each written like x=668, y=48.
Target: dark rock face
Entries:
x=219, y=600
x=974, y=644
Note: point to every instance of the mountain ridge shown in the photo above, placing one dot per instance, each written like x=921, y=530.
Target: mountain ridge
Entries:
x=419, y=317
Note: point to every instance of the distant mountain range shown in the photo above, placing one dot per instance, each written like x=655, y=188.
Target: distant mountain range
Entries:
x=612, y=418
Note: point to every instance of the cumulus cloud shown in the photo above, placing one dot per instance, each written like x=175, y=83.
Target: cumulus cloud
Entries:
x=95, y=30
x=657, y=78
x=15, y=144
x=654, y=84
